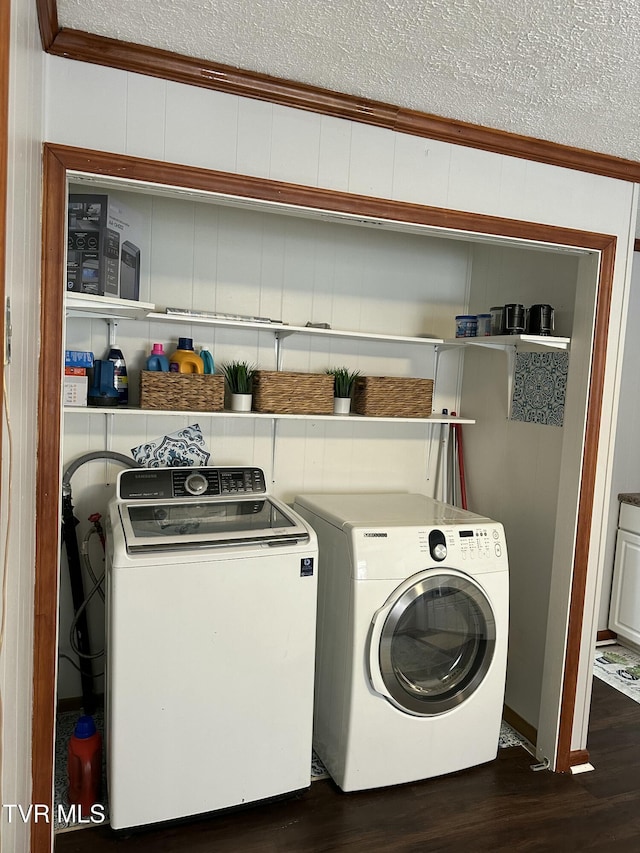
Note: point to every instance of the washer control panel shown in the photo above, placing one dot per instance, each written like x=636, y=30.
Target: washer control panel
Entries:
x=167, y=483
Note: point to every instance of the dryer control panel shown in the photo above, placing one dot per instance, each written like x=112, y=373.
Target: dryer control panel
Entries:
x=482, y=542
x=166, y=483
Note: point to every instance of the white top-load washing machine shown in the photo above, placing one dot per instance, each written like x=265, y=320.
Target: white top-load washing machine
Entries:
x=413, y=608
x=211, y=606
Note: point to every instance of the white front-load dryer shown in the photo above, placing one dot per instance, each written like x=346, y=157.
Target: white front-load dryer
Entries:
x=412, y=628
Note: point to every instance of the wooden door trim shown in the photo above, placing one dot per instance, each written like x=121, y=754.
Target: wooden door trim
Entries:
x=5, y=46
x=48, y=491
x=58, y=161
x=587, y=490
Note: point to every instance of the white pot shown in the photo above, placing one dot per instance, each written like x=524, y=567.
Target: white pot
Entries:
x=241, y=402
x=341, y=405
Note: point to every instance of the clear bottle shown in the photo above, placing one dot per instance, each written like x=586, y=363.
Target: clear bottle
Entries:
x=120, y=378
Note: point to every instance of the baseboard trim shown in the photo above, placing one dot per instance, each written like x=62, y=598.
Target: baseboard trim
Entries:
x=578, y=757
x=520, y=725
x=603, y=636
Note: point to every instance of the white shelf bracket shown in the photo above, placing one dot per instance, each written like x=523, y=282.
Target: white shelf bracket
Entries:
x=113, y=331
x=430, y=451
x=511, y=372
x=278, y=337
x=436, y=362
x=438, y=350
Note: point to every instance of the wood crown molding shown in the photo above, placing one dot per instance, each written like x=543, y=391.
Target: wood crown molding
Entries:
x=153, y=62
x=48, y=22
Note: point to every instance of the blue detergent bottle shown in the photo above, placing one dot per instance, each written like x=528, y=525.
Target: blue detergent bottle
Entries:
x=207, y=360
x=158, y=361
x=103, y=391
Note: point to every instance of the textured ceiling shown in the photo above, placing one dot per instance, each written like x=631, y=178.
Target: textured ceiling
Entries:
x=562, y=70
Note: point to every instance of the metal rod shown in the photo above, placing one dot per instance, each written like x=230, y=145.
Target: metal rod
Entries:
x=274, y=431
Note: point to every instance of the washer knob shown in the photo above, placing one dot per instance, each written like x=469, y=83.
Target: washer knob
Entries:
x=196, y=484
x=439, y=552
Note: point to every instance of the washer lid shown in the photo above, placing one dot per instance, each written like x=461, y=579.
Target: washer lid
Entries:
x=178, y=524
x=387, y=509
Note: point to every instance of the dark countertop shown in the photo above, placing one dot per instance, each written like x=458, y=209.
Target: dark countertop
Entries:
x=629, y=498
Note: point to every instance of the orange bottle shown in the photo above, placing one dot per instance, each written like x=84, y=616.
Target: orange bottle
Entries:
x=184, y=359
x=84, y=765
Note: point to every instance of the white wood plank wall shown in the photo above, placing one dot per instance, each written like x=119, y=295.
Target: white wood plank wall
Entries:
x=515, y=466
x=20, y=377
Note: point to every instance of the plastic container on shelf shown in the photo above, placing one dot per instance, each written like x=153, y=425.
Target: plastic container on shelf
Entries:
x=102, y=391
x=497, y=319
x=207, y=360
x=466, y=326
x=84, y=765
x=484, y=325
x=120, y=378
x=184, y=359
x=158, y=360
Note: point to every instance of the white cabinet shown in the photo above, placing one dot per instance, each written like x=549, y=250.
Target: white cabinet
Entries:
x=624, y=615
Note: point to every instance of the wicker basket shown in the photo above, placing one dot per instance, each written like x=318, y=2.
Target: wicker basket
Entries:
x=280, y=393
x=190, y=392
x=393, y=397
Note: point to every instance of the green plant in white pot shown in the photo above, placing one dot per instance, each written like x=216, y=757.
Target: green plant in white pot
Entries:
x=239, y=377
x=343, y=382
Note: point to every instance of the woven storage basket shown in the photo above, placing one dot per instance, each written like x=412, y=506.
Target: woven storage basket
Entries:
x=192, y=392
x=281, y=393
x=393, y=397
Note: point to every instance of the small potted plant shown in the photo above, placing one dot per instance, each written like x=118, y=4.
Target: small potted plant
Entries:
x=239, y=376
x=343, y=381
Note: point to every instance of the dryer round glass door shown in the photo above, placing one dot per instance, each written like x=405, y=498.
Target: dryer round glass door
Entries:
x=437, y=644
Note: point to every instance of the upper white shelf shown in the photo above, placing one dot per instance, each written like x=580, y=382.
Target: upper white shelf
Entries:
x=518, y=341
x=107, y=307
x=86, y=305
x=285, y=329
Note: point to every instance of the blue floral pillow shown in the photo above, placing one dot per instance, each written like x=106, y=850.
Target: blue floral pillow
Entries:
x=186, y=447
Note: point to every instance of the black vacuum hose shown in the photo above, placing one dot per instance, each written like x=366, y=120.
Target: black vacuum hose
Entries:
x=70, y=539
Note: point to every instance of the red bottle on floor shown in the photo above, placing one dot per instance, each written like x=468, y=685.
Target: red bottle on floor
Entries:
x=84, y=765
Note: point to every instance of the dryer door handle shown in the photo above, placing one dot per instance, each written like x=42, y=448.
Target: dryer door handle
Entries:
x=375, y=633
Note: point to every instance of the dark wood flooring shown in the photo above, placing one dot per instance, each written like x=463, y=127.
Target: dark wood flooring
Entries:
x=501, y=806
